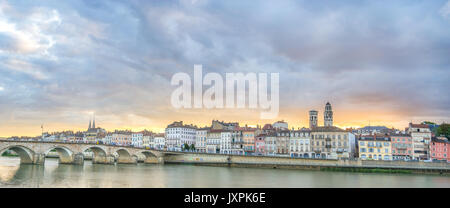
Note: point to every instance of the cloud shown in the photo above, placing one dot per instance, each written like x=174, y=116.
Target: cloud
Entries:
x=445, y=10
x=59, y=59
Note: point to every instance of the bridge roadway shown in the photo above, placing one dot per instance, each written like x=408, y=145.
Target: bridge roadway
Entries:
x=34, y=152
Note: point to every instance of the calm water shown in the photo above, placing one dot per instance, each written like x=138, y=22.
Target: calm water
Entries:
x=144, y=175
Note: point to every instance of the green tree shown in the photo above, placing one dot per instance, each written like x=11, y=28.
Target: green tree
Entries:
x=186, y=146
x=192, y=147
x=428, y=123
x=443, y=130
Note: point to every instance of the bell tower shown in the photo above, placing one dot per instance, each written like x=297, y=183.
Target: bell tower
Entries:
x=328, y=115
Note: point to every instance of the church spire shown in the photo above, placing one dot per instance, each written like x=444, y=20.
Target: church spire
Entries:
x=89, y=124
x=93, y=125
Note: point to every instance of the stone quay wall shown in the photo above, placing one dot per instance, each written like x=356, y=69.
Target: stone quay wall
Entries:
x=301, y=163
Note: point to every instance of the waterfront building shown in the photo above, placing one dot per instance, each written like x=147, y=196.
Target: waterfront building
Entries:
x=200, y=139
x=331, y=142
x=159, y=141
x=121, y=138
x=374, y=147
x=248, y=136
x=270, y=144
x=421, y=136
x=440, y=149
x=280, y=125
x=313, y=118
x=213, y=138
x=300, y=143
x=147, y=142
x=282, y=142
x=237, y=141
x=328, y=115
x=137, y=139
x=402, y=147
x=260, y=144
x=225, y=142
x=108, y=139
x=178, y=135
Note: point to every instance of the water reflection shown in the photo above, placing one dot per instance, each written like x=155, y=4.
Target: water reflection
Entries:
x=52, y=174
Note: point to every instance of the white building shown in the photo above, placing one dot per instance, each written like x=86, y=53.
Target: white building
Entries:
x=421, y=136
x=225, y=142
x=213, y=141
x=159, y=142
x=178, y=135
x=271, y=144
x=300, y=143
x=137, y=139
x=108, y=139
x=200, y=139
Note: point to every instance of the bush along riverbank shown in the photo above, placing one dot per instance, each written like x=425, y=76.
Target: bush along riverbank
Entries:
x=367, y=170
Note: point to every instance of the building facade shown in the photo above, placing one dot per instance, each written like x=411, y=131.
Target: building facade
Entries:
x=374, y=147
x=332, y=143
x=402, y=147
x=200, y=139
x=439, y=149
x=300, y=143
x=225, y=142
x=178, y=135
x=260, y=142
x=421, y=136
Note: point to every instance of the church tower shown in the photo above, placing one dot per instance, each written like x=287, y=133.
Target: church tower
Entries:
x=93, y=125
x=312, y=119
x=89, y=124
x=328, y=115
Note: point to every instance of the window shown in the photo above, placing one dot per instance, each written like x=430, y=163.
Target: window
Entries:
x=361, y=143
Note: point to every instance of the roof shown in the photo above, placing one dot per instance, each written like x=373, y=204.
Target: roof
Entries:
x=327, y=129
x=267, y=127
x=400, y=135
x=440, y=139
x=374, y=138
x=418, y=125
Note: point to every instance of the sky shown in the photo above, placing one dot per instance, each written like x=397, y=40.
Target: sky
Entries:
x=378, y=62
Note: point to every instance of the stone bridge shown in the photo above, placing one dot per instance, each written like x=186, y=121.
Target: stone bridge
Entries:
x=34, y=152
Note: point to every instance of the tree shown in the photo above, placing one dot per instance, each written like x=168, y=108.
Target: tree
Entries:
x=443, y=130
x=192, y=147
x=186, y=146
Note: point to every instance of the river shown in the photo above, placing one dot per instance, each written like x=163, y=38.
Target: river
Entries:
x=12, y=174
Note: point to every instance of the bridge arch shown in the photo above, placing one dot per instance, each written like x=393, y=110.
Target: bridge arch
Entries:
x=125, y=156
x=97, y=150
x=26, y=154
x=65, y=154
x=147, y=153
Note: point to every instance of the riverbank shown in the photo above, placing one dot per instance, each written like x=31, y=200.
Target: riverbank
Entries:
x=310, y=164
